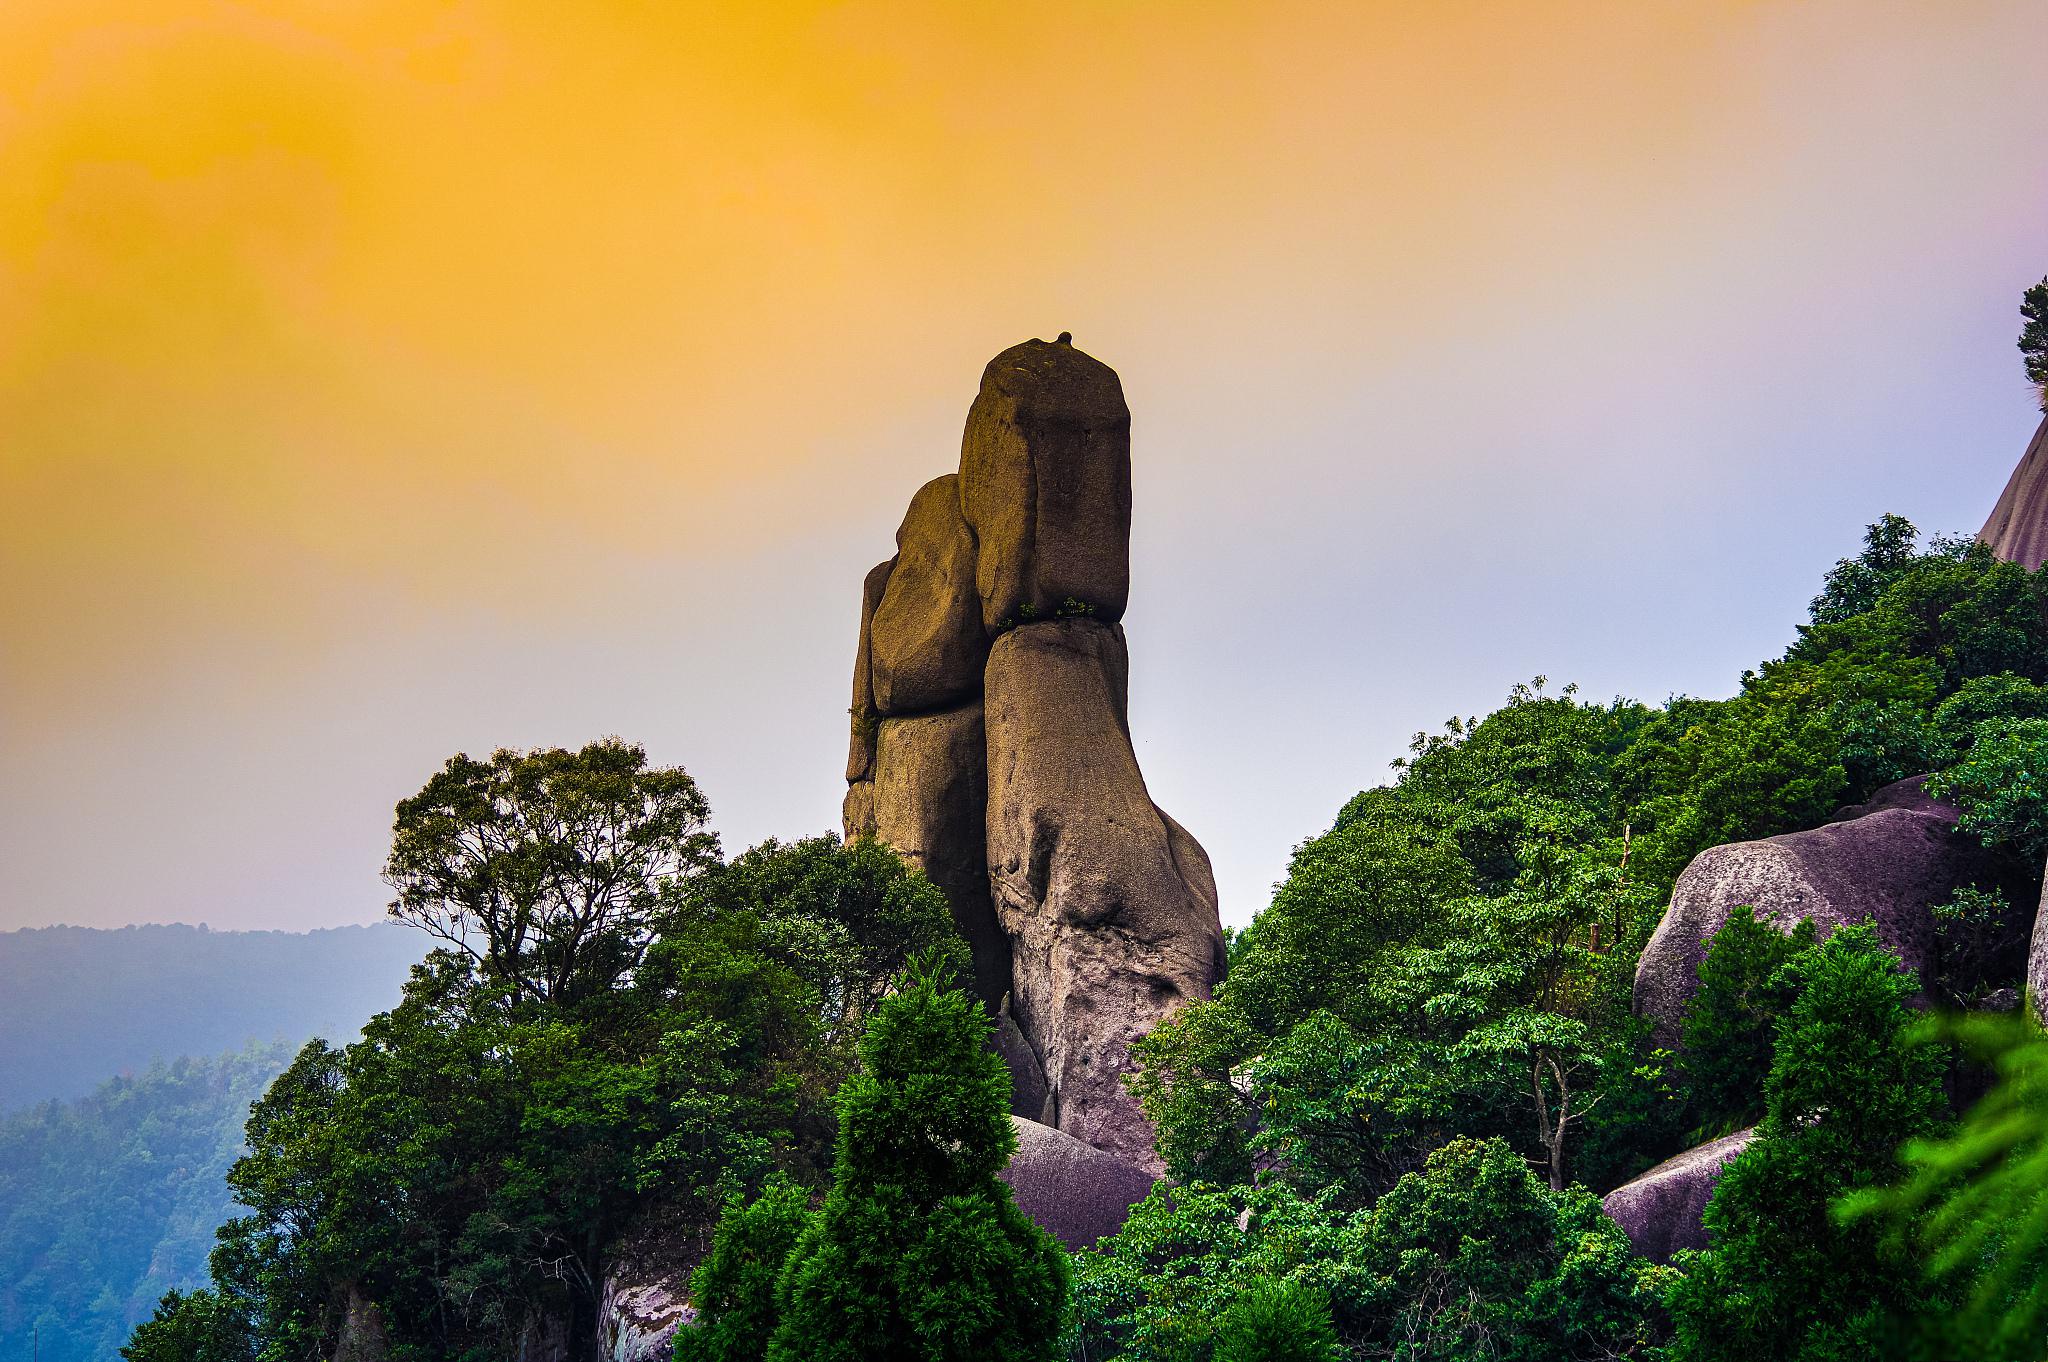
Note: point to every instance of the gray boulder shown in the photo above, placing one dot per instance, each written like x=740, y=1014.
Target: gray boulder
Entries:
x=926, y=641
x=930, y=791
x=2018, y=528
x=1110, y=907
x=860, y=754
x=640, y=1311
x=1075, y=1192
x=1889, y=861
x=1045, y=482
x=1661, y=1211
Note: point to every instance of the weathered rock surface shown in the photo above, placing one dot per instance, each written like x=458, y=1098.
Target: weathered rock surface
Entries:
x=857, y=810
x=1889, y=861
x=2018, y=528
x=860, y=755
x=1045, y=483
x=1005, y=769
x=1028, y=1094
x=1661, y=1210
x=930, y=791
x=1110, y=910
x=1075, y=1192
x=926, y=641
x=640, y=1312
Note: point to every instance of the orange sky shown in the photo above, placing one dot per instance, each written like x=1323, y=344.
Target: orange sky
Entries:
x=379, y=349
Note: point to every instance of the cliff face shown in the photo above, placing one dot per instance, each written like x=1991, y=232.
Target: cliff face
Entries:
x=2018, y=528
x=991, y=742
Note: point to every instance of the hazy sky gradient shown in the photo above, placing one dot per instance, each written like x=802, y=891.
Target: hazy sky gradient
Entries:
x=379, y=380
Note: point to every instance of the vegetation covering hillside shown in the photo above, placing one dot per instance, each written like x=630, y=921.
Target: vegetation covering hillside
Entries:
x=1384, y=1137
x=1386, y=1133
x=108, y=1201
x=78, y=1004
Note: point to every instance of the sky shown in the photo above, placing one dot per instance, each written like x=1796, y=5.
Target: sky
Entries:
x=385, y=380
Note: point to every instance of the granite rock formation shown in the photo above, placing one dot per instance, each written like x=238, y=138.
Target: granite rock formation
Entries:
x=991, y=744
x=2018, y=528
x=1889, y=861
x=1075, y=1191
x=1662, y=1211
x=1045, y=482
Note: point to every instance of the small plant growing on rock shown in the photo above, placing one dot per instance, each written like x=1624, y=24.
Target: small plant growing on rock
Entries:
x=2034, y=337
x=1073, y=607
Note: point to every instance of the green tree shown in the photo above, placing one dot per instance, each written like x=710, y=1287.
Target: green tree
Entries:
x=1849, y=1083
x=734, y=1288
x=1284, y=1321
x=1730, y=1023
x=195, y=1327
x=919, y=1252
x=1470, y=1256
x=1975, y=1207
x=545, y=866
x=2001, y=786
x=2034, y=337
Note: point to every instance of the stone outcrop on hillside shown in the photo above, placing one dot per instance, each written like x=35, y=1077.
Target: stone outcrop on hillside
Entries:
x=1074, y=1191
x=2017, y=530
x=1045, y=481
x=1661, y=1211
x=991, y=743
x=1890, y=861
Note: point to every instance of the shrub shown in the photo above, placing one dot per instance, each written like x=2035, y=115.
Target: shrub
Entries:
x=919, y=1253
x=734, y=1288
x=1283, y=1321
x=1728, y=1025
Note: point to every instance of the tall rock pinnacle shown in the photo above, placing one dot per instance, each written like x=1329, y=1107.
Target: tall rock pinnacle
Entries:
x=991, y=743
x=2018, y=528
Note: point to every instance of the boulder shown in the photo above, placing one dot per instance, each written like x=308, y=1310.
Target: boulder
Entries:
x=1045, y=484
x=860, y=755
x=926, y=643
x=2018, y=528
x=640, y=1312
x=1110, y=908
x=930, y=791
x=1889, y=861
x=1075, y=1192
x=1661, y=1211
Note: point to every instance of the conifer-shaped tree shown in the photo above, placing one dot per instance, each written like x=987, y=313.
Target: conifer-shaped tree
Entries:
x=919, y=1253
x=1849, y=1084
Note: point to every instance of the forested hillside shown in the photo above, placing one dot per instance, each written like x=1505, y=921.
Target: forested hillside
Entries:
x=109, y=1201
x=79, y=1005
x=1385, y=1137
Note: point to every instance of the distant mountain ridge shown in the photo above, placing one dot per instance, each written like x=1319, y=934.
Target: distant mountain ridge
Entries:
x=80, y=1005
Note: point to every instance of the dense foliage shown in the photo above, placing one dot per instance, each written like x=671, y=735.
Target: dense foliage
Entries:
x=625, y=1026
x=1469, y=1256
x=1454, y=956
x=918, y=1253
x=107, y=1202
x=1848, y=1085
x=1384, y=1136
